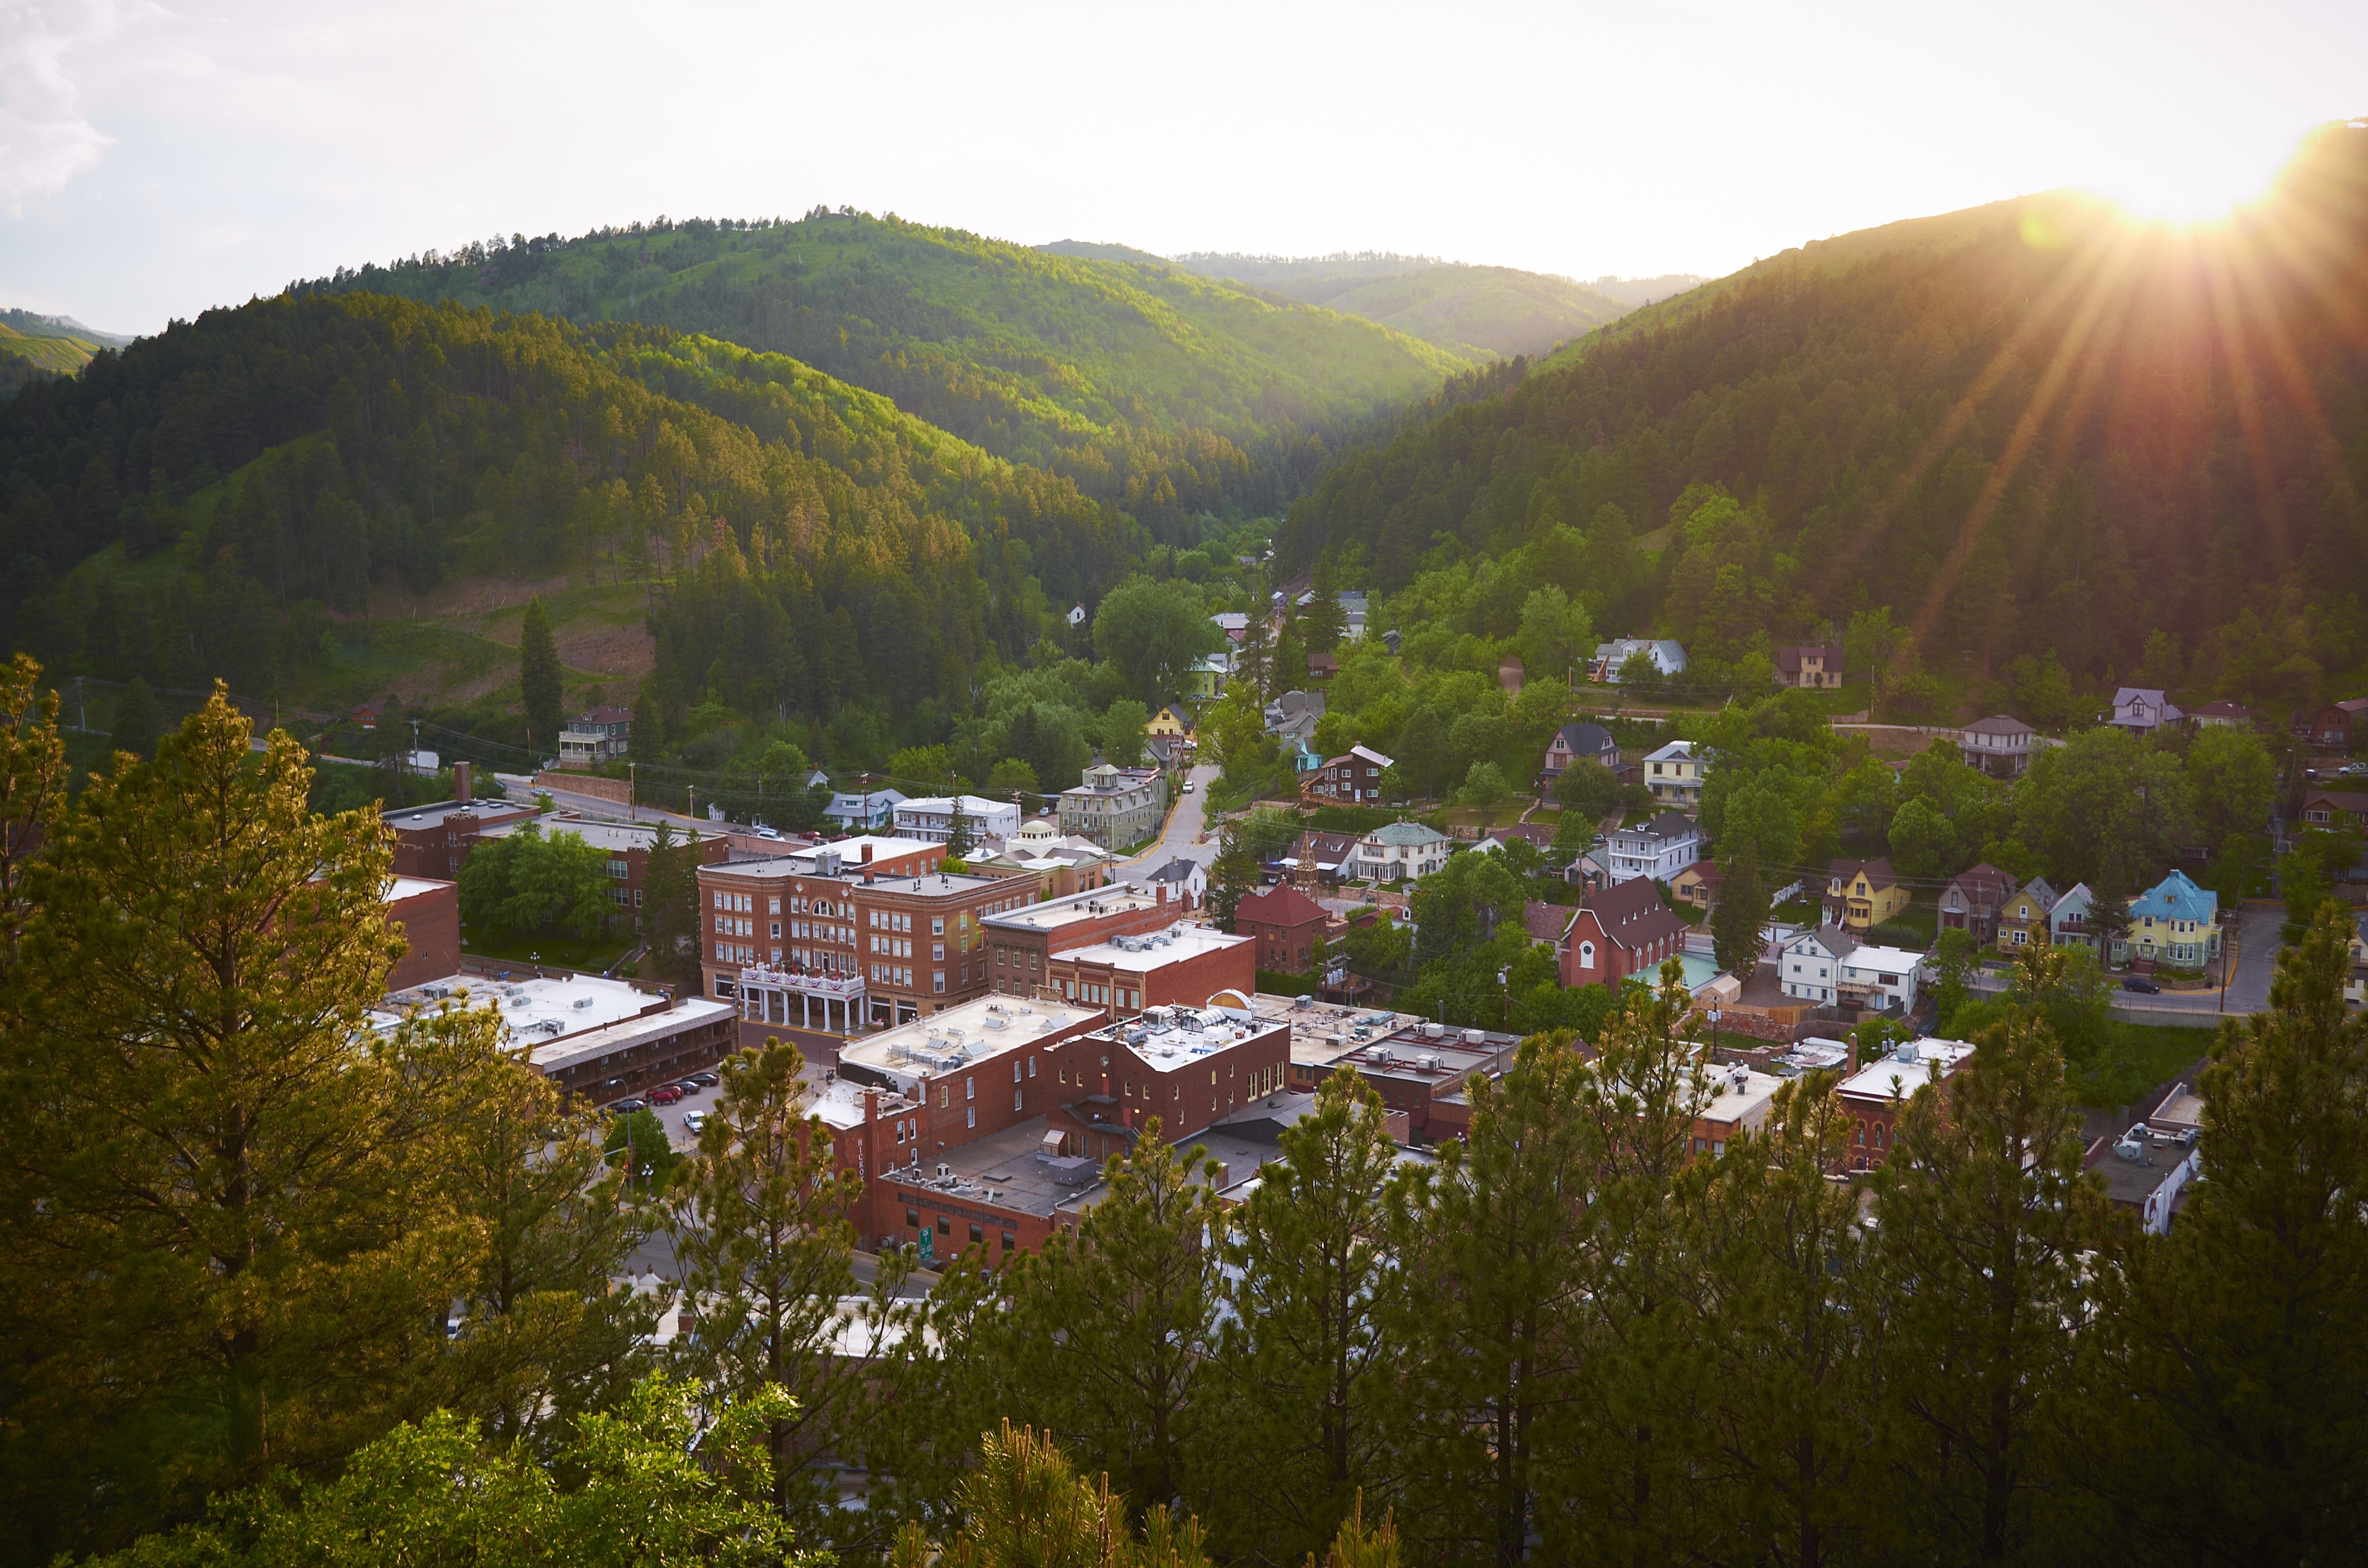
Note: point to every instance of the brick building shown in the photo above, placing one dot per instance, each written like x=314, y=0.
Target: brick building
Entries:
x=949, y=1163
x=1284, y=923
x=432, y=841
x=1422, y=1071
x=1182, y=965
x=864, y=931
x=428, y=912
x=1623, y=930
x=1022, y=941
x=600, y=1039
x=626, y=844
x=1874, y=1095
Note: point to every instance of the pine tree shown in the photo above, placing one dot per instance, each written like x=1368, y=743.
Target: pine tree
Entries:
x=1739, y=923
x=32, y=788
x=138, y=721
x=1322, y=621
x=760, y=1227
x=960, y=838
x=1312, y=1364
x=539, y=680
x=1499, y=1242
x=1983, y=1233
x=225, y=1190
x=2243, y=1333
x=669, y=910
x=1108, y=1333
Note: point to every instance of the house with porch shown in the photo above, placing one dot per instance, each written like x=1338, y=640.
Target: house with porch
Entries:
x=1810, y=964
x=1999, y=746
x=1971, y=901
x=1658, y=849
x=2173, y=922
x=2071, y=921
x=1675, y=775
x=1401, y=851
x=1809, y=666
x=2022, y=920
x=2141, y=709
x=1860, y=893
x=1573, y=742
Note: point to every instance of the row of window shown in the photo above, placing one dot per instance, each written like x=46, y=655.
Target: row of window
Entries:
x=945, y=1228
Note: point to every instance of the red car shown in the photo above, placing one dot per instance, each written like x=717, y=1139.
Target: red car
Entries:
x=665, y=1095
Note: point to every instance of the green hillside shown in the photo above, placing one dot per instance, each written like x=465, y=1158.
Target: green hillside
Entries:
x=1467, y=310
x=33, y=348
x=258, y=494
x=2030, y=431
x=1150, y=387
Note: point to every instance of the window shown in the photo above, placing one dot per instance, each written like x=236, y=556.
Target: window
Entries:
x=945, y=1226
x=1032, y=1067
x=1009, y=1241
x=970, y=1088
x=912, y=1219
x=977, y=1235
x=774, y=906
x=777, y=930
x=938, y=927
x=969, y=1116
x=1015, y=1099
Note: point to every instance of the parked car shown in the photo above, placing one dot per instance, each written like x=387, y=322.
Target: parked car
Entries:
x=2354, y=769
x=692, y=1120
x=627, y=1108
x=704, y=1080
x=2140, y=983
x=687, y=1087
x=665, y=1094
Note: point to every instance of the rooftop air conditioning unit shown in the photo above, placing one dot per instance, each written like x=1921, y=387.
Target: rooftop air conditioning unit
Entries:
x=1427, y=1063
x=1475, y=1037
x=944, y=1171
x=1434, y=1031
x=581, y=1002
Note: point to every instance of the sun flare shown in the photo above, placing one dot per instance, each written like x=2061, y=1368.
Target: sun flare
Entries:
x=2199, y=177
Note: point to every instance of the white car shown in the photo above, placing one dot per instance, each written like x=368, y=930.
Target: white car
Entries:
x=692, y=1120
x=1188, y=785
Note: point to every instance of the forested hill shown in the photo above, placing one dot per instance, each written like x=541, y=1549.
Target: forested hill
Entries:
x=1470, y=310
x=33, y=348
x=2032, y=427
x=1150, y=387
x=224, y=499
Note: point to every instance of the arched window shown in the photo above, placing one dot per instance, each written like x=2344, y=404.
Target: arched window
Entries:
x=1861, y=1138
x=1587, y=955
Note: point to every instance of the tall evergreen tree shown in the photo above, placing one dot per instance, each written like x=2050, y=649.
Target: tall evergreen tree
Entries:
x=219, y=1184
x=539, y=680
x=1110, y=1334
x=1498, y=1237
x=960, y=837
x=767, y=1252
x=33, y=788
x=138, y=721
x=1312, y=1364
x=1739, y=925
x=1984, y=1232
x=2243, y=1335
x=670, y=909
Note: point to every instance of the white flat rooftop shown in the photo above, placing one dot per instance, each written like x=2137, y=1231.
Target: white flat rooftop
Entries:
x=1883, y=960
x=1183, y=1035
x=1056, y=912
x=1899, y=1075
x=976, y=1031
x=1739, y=1095
x=540, y=1010
x=411, y=887
x=1153, y=949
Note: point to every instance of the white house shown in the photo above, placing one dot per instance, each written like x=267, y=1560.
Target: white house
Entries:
x=864, y=811
x=1400, y=852
x=1659, y=849
x=1811, y=965
x=932, y=818
x=2142, y=709
x=1675, y=775
x=1668, y=656
x=1881, y=978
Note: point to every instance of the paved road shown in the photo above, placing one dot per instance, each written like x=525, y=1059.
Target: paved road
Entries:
x=2256, y=938
x=1184, y=824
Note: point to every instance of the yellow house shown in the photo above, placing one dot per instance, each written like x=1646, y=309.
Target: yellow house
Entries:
x=2023, y=919
x=1860, y=893
x=1172, y=723
x=1698, y=883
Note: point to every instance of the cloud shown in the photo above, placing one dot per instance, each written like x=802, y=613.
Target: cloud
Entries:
x=46, y=138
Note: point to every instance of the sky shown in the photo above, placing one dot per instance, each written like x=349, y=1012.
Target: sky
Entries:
x=160, y=158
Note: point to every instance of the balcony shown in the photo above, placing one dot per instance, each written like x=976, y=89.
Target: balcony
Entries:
x=844, y=987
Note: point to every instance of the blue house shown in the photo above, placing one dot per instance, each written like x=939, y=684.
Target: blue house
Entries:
x=2173, y=922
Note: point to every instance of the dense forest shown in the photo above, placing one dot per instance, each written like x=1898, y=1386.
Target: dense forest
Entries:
x=238, y=484
x=2027, y=428
x=1150, y=387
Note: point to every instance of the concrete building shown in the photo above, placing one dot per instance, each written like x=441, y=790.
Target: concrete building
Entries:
x=1115, y=807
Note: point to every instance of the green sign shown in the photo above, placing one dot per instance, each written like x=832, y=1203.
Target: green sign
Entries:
x=929, y=1241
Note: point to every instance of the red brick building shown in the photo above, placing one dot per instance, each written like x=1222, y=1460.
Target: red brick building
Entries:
x=428, y=912
x=1284, y=923
x=1183, y=965
x=432, y=841
x=978, y=1126
x=1022, y=941
x=1623, y=930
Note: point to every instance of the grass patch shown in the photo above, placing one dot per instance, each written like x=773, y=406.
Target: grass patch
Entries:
x=1276, y=984
x=2143, y=1056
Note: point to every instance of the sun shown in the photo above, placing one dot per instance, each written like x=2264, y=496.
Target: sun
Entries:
x=2191, y=173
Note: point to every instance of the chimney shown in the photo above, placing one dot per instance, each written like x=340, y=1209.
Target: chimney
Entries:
x=866, y=854
x=461, y=782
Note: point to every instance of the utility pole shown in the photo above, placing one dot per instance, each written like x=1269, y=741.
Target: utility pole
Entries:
x=632, y=793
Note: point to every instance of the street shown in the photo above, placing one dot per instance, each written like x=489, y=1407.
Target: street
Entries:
x=2255, y=938
x=1184, y=824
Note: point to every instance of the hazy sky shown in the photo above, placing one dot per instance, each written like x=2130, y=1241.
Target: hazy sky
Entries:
x=159, y=158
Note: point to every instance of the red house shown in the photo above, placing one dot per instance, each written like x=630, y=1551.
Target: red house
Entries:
x=1623, y=930
x=1284, y=923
